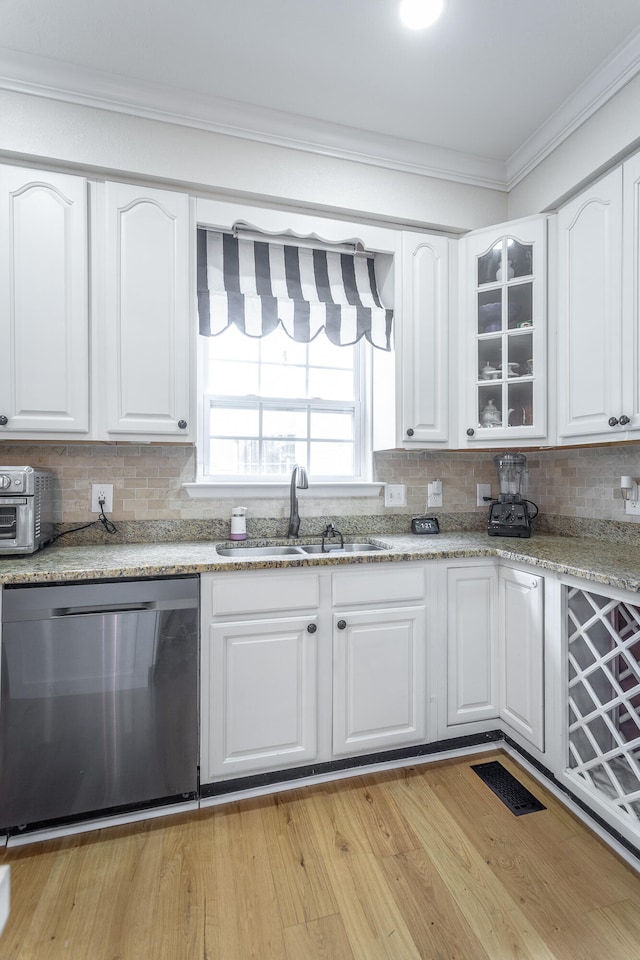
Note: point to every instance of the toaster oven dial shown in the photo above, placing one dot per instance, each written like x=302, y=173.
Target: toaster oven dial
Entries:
x=5, y=481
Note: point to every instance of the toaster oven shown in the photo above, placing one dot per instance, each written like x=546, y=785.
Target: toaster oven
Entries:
x=26, y=509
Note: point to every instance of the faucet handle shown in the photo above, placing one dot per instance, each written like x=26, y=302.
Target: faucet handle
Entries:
x=329, y=533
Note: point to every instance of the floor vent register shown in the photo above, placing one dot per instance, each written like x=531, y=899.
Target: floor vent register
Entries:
x=505, y=786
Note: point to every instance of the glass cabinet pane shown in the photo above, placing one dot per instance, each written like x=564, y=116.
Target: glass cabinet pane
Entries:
x=490, y=358
x=520, y=399
x=520, y=355
x=490, y=311
x=520, y=305
x=490, y=406
x=519, y=257
x=489, y=263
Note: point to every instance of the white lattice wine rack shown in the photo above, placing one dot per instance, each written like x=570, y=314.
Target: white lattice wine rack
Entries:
x=604, y=697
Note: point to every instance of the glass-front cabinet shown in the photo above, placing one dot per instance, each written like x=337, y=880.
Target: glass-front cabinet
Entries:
x=504, y=334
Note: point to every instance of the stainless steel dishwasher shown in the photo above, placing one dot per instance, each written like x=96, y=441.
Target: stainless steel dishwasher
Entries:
x=98, y=698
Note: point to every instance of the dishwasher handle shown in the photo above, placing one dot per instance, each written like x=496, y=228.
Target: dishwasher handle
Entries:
x=103, y=608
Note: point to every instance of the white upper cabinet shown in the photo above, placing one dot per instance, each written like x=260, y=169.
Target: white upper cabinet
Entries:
x=592, y=393
x=422, y=337
x=44, y=361
x=503, y=335
x=630, y=406
x=146, y=315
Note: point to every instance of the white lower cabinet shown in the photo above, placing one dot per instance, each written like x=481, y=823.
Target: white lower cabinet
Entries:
x=472, y=644
x=379, y=679
x=495, y=651
x=262, y=689
x=301, y=666
x=259, y=672
x=522, y=654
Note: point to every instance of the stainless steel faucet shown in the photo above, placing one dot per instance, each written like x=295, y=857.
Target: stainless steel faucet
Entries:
x=300, y=480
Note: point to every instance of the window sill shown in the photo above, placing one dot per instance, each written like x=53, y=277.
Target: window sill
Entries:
x=214, y=491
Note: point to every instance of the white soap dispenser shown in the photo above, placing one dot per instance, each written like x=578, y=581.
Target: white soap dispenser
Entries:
x=238, y=523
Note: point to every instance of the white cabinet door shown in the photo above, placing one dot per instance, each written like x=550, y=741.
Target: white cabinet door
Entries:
x=589, y=373
x=146, y=329
x=631, y=293
x=472, y=668
x=44, y=322
x=259, y=696
x=503, y=334
x=379, y=679
x=423, y=341
x=521, y=654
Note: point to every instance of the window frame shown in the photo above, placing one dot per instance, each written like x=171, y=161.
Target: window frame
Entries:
x=361, y=405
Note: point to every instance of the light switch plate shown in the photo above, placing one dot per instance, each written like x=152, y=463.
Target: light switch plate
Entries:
x=395, y=495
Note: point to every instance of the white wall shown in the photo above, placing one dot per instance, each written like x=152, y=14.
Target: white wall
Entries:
x=100, y=140
x=612, y=132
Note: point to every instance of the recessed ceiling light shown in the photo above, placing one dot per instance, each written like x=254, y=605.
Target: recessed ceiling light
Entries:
x=418, y=14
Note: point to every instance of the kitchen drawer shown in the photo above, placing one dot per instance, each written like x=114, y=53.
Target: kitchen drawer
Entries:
x=224, y=594
x=370, y=584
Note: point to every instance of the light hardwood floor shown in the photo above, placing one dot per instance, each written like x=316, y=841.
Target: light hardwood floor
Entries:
x=420, y=863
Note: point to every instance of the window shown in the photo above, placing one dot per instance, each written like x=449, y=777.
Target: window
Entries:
x=287, y=360
x=271, y=402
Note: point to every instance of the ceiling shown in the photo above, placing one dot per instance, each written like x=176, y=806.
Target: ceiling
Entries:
x=481, y=96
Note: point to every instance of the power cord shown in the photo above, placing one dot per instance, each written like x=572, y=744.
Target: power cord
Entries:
x=108, y=525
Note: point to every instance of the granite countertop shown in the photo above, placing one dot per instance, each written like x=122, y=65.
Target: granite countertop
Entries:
x=607, y=562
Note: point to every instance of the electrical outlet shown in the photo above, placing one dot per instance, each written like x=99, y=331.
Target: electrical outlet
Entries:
x=102, y=491
x=395, y=495
x=632, y=506
x=482, y=490
x=434, y=494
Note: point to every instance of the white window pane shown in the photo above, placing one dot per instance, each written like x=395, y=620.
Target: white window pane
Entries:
x=283, y=381
x=231, y=379
x=232, y=422
x=278, y=347
x=232, y=344
x=284, y=423
x=323, y=353
x=331, y=460
x=331, y=384
x=330, y=425
x=234, y=457
x=280, y=456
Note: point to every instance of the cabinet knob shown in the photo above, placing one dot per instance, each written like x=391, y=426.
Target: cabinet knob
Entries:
x=311, y=628
x=182, y=424
x=4, y=420
x=341, y=624
x=613, y=421
x=624, y=420
x=470, y=431
x=410, y=432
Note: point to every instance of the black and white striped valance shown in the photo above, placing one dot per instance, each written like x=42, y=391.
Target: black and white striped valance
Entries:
x=257, y=286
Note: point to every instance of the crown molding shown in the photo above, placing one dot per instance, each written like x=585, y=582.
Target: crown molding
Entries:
x=55, y=80
x=590, y=96
x=52, y=79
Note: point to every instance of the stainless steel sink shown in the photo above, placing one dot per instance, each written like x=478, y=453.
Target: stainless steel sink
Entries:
x=346, y=548
x=248, y=553
x=252, y=553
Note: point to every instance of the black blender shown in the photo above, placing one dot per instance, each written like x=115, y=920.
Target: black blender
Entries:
x=510, y=514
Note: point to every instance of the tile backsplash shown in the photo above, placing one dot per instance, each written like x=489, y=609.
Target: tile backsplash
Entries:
x=571, y=483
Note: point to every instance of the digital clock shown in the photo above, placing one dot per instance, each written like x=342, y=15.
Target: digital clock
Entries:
x=425, y=525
